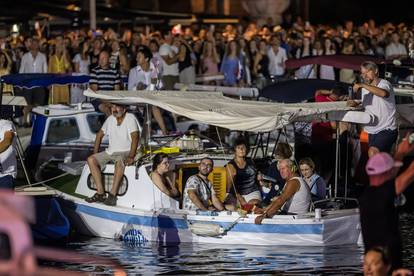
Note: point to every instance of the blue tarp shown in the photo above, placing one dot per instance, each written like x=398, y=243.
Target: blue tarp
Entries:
x=42, y=80
x=295, y=91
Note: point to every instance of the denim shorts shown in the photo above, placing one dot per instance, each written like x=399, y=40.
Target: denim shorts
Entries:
x=383, y=140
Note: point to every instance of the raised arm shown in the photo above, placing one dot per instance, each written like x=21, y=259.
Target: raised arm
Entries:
x=407, y=177
x=372, y=89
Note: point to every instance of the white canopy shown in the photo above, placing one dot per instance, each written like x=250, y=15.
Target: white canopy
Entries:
x=215, y=109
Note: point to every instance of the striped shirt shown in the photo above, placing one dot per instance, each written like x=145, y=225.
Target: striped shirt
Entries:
x=105, y=79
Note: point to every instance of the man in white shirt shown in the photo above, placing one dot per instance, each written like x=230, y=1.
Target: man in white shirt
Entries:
x=144, y=76
x=122, y=130
x=378, y=99
x=395, y=50
x=169, y=58
x=277, y=58
x=33, y=62
x=8, y=162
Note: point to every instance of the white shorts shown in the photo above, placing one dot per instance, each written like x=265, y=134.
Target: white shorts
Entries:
x=231, y=199
x=253, y=195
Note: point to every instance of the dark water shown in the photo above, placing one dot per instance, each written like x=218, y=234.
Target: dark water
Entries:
x=234, y=259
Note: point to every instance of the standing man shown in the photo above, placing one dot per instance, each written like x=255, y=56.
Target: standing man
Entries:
x=378, y=99
x=199, y=191
x=122, y=130
x=104, y=78
x=33, y=62
x=395, y=49
x=277, y=58
x=379, y=216
x=8, y=162
x=144, y=76
x=169, y=57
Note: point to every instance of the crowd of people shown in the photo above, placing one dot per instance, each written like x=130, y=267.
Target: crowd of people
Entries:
x=251, y=56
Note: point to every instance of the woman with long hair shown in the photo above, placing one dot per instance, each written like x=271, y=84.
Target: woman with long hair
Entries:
x=231, y=65
x=6, y=64
x=160, y=175
x=209, y=59
x=59, y=63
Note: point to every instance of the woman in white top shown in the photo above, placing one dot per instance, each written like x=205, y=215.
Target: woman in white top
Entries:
x=144, y=76
x=82, y=62
x=305, y=71
x=326, y=71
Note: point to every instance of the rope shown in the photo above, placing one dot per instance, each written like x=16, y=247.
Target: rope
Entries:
x=21, y=188
x=227, y=169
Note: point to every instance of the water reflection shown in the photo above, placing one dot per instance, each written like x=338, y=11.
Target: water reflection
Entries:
x=224, y=259
x=233, y=259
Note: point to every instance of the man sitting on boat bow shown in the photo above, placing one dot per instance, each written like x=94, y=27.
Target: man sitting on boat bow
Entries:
x=122, y=130
x=295, y=197
x=199, y=191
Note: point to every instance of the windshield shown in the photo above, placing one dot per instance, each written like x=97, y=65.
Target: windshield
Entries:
x=95, y=121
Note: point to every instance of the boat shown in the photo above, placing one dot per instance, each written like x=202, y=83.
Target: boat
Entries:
x=18, y=254
x=61, y=133
x=145, y=213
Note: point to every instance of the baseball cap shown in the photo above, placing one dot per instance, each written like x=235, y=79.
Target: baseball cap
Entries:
x=380, y=163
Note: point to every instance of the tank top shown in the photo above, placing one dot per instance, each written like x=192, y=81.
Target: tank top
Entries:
x=187, y=59
x=264, y=66
x=245, y=179
x=299, y=203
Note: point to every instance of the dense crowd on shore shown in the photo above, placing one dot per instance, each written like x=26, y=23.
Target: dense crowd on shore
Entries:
x=248, y=55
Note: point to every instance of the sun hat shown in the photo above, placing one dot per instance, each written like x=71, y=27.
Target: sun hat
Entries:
x=380, y=163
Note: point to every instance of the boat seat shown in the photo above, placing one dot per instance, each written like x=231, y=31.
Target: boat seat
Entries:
x=217, y=177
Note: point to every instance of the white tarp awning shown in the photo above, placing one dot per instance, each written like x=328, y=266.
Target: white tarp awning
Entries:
x=215, y=109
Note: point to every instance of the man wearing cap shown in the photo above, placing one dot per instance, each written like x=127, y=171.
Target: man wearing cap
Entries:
x=122, y=130
x=379, y=217
x=378, y=99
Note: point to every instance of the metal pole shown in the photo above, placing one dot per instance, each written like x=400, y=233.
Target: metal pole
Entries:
x=1, y=94
x=346, y=165
x=336, y=159
x=22, y=162
x=92, y=15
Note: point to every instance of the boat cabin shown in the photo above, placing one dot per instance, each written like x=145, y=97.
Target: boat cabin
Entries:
x=62, y=134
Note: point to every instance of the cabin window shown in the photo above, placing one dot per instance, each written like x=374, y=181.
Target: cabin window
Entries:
x=62, y=130
x=5, y=249
x=108, y=180
x=95, y=121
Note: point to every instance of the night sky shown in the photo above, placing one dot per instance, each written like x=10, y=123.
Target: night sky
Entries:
x=337, y=11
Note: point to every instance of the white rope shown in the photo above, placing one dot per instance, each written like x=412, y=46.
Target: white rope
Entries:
x=21, y=188
x=227, y=168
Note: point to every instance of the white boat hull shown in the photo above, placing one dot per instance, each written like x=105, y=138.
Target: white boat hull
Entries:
x=169, y=227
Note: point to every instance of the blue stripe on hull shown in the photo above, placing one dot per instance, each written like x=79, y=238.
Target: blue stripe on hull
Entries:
x=158, y=221
x=163, y=221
